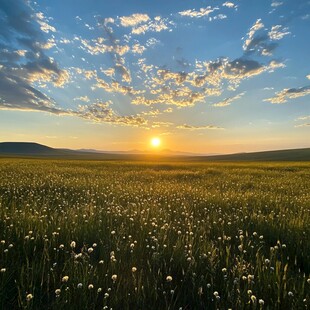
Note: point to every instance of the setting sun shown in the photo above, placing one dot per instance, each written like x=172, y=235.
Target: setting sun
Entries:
x=155, y=142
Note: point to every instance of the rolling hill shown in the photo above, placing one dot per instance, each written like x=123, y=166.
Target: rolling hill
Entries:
x=31, y=149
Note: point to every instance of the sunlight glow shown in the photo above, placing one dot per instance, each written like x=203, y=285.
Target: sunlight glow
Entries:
x=155, y=142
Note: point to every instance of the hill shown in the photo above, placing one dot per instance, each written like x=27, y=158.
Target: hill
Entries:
x=278, y=155
x=31, y=149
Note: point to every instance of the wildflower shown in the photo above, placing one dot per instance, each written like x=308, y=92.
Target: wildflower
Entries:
x=80, y=285
x=168, y=278
x=308, y=281
x=90, y=250
x=216, y=293
x=290, y=294
x=29, y=297
x=72, y=244
x=65, y=279
x=90, y=286
x=261, y=302
x=101, y=262
x=253, y=298
x=58, y=291
x=114, y=277
x=133, y=269
x=3, y=270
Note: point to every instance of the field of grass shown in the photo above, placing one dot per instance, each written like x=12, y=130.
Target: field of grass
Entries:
x=121, y=235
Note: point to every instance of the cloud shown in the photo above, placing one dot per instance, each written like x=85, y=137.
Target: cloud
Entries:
x=229, y=5
x=278, y=33
x=142, y=23
x=102, y=113
x=190, y=127
x=276, y=4
x=82, y=98
x=259, y=39
x=17, y=94
x=250, y=35
x=198, y=14
x=134, y=20
x=43, y=22
x=289, y=93
x=228, y=101
x=303, y=118
x=303, y=125
x=138, y=48
x=96, y=46
x=27, y=64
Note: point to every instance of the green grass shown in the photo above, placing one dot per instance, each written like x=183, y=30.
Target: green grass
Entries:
x=229, y=235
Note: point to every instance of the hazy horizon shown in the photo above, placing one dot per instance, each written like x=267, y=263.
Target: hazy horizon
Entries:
x=201, y=76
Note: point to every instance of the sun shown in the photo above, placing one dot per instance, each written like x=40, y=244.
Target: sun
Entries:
x=155, y=142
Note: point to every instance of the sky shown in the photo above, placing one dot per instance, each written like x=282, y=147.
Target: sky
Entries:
x=203, y=76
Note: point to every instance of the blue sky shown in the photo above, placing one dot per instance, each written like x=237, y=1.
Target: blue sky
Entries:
x=204, y=76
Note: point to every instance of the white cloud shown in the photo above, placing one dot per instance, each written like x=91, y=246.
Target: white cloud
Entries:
x=276, y=3
x=138, y=48
x=289, y=93
x=82, y=98
x=229, y=5
x=228, y=101
x=43, y=22
x=190, y=127
x=277, y=32
x=134, y=20
x=198, y=14
x=250, y=35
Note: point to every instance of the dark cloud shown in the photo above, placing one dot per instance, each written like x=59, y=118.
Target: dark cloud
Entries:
x=23, y=61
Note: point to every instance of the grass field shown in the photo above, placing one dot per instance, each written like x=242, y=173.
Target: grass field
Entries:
x=121, y=235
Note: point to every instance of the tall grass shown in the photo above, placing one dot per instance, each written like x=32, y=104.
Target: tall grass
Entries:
x=102, y=235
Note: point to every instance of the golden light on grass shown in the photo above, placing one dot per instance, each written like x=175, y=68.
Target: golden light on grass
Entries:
x=155, y=142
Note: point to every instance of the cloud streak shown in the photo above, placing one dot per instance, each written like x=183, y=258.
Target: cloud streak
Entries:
x=289, y=94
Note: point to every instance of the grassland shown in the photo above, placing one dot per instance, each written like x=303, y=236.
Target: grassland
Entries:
x=122, y=235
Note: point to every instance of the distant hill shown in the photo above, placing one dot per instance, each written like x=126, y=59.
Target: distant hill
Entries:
x=25, y=148
x=31, y=149
x=278, y=155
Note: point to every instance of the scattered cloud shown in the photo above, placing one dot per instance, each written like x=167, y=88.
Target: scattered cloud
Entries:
x=190, y=127
x=303, y=125
x=198, y=14
x=142, y=23
x=228, y=101
x=276, y=3
x=289, y=93
x=23, y=67
x=303, y=118
x=44, y=23
x=278, y=32
x=230, y=5
x=101, y=112
x=82, y=98
x=250, y=35
x=138, y=48
x=134, y=20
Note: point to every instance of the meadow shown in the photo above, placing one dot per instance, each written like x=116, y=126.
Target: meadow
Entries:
x=154, y=235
